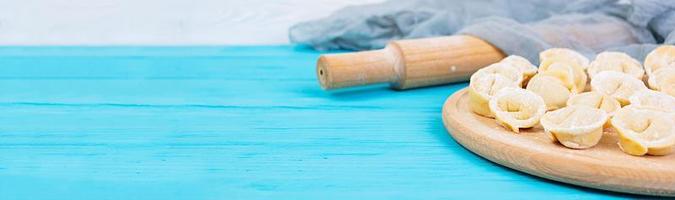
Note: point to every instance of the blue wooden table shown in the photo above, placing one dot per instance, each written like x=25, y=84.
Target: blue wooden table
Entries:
x=228, y=123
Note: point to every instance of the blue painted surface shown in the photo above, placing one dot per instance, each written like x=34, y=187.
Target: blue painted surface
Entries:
x=228, y=123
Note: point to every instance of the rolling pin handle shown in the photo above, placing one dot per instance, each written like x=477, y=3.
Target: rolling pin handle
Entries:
x=355, y=69
x=409, y=64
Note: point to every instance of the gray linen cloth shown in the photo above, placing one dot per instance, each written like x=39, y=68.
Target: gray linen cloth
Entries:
x=522, y=27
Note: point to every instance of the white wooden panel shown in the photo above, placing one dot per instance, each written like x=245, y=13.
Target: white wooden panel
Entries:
x=156, y=22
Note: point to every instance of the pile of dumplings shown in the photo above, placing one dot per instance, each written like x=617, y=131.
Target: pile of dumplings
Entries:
x=575, y=99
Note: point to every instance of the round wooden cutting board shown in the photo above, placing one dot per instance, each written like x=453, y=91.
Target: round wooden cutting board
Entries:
x=603, y=166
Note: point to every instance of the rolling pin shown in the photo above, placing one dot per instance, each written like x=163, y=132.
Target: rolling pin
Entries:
x=408, y=64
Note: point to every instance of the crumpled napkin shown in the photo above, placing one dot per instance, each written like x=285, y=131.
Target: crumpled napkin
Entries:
x=523, y=27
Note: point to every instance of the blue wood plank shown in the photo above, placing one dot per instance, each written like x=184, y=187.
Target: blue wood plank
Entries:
x=228, y=123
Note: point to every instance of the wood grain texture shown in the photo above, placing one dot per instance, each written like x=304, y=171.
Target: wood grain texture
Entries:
x=157, y=22
x=411, y=63
x=603, y=166
x=229, y=123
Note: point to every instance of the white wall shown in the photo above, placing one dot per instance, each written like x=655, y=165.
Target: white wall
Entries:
x=156, y=22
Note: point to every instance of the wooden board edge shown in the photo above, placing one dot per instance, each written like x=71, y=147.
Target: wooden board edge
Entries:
x=471, y=143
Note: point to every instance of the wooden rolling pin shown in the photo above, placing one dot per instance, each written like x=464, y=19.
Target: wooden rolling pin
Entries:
x=409, y=63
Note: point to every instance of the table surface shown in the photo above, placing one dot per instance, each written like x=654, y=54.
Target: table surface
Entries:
x=228, y=123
